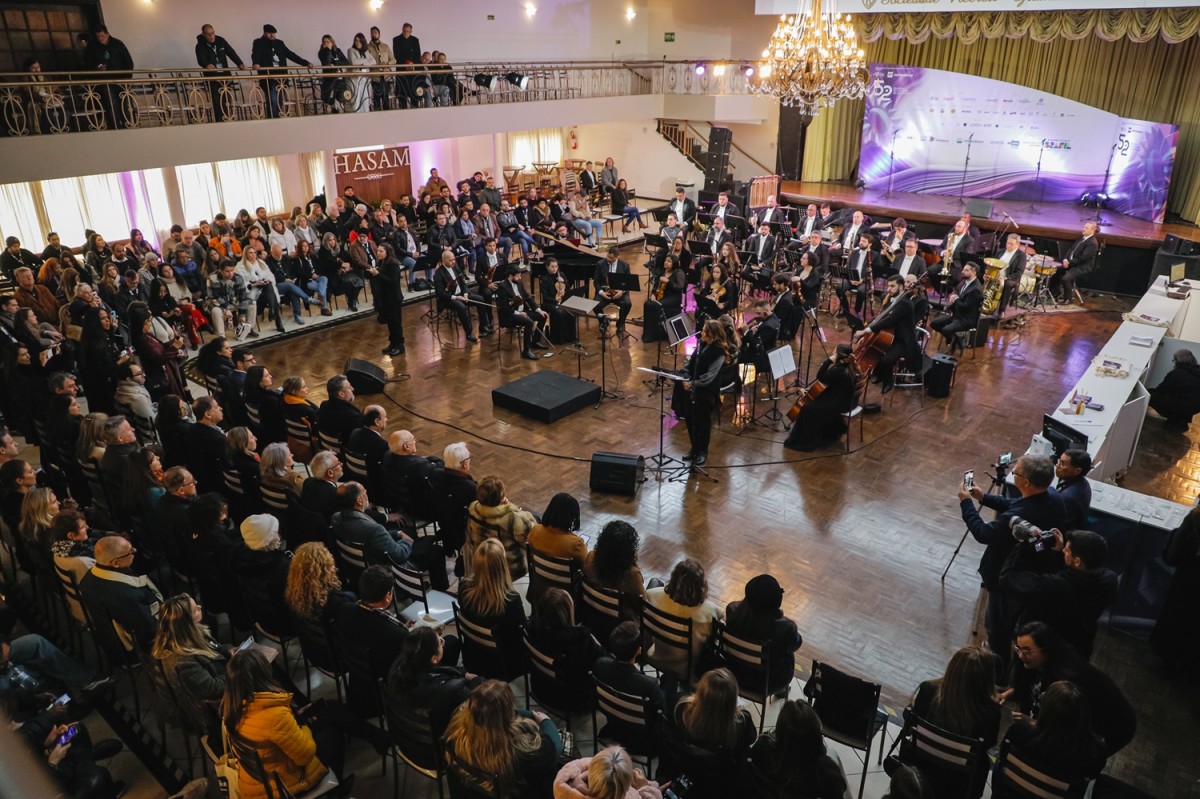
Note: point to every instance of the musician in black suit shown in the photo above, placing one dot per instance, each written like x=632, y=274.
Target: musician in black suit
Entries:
x=820, y=420
x=702, y=370
x=964, y=308
x=896, y=316
x=1079, y=261
x=958, y=245
x=849, y=236
x=863, y=265
x=972, y=231
x=809, y=223
x=893, y=243
x=606, y=296
x=918, y=291
x=760, y=264
x=781, y=306
x=722, y=209
x=490, y=269
x=658, y=264
x=675, y=287
x=773, y=213
x=450, y=286
x=909, y=262
x=1014, y=269
x=717, y=236
x=519, y=311
x=554, y=287
x=818, y=252
x=683, y=208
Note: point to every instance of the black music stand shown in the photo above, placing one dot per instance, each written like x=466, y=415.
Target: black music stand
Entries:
x=678, y=328
x=628, y=284
x=579, y=307
x=782, y=362
x=654, y=240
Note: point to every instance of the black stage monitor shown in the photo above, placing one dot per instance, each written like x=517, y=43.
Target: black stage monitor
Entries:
x=1062, y=436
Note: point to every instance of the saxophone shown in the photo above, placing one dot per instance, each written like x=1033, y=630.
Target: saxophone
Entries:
x=948, y=253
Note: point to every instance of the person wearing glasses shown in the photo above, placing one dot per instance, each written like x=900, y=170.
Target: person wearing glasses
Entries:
x=1071, y=469
x=1032, y=476
x=112, y=589
x=131, y=393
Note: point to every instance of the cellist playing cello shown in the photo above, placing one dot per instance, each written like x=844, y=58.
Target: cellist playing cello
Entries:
x=820, y=419
x=896, y=316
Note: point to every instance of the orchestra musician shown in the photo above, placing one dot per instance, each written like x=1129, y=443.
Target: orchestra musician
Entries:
x=893, y=242
x=782, y=305
x=956, y=251
x=722, y=210
x=918, y=292
x=896, y=315
x=683, y=208
x=770, y=213
x=610, y=264
x=490, y=270
x=698, y=394
x=670, y=293
x=718, y=294
x=1014, y=269
x=554, y=291
x=450, y=286
x=910, y=262
x=818, y=252
x=810, y=223
x=519, y=311
x=850, y=234
x=657, y=264
x=972, y=231
x=808, y=274
x=963, y=308
x=673, y=229
x=826, y=217
x=820, y=421
x=717, y=236
x=1079, y=261
x=728, y=259
x=760, y=264
x=862, y=266
x=760, y=333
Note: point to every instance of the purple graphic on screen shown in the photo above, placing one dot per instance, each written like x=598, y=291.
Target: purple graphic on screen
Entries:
x=937, y=132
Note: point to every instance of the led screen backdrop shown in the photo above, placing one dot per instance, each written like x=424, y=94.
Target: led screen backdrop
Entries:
x=920, y=126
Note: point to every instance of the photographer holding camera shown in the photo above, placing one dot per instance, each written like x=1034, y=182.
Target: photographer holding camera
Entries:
x=1069, y=600
x=1032, y=475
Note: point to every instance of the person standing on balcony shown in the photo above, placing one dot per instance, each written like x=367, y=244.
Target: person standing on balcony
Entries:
x=407, y=50
x=268, y=55
x=214, y=54
x=383, y=57
x=108, y=54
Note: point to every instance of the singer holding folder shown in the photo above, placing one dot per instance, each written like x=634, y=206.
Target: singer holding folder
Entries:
x=696, y=396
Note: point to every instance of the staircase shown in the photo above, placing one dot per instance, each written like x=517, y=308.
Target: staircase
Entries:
x=685, y=138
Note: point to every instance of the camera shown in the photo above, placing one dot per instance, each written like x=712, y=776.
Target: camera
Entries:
x=680, y=787
x=1027, y=533
x=1001, y=465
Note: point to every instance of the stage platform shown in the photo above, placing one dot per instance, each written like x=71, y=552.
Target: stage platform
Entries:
x=1062, y=221
x=546, y=395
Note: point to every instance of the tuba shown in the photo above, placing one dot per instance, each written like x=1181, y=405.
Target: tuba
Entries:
x=992, y=292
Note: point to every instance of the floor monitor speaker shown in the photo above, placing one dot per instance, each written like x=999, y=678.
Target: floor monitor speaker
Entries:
x=364, y=376
x=617, y=473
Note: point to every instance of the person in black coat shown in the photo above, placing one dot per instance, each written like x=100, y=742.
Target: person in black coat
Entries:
x=267, y=55
x=406, y=475
x=611, y=264
x=697, y=395
x=896, y=315
x=369, y=622
x=450, y=286
x=367, y=442
x=109, y=55
x=554, y=632
x=215, y=55
x=863, y=265
x=112, y=589
x=338, y=414
x=1014, y=259
x=205, y=455
x=759, y=617
x=1078, y=261
x=1177, y=397
x=172, y=527
x=964, y=308
x=619, y=671
x=424, y=678
x=518, y=310
x=760, y=265
x=1176, y=636
x=260, y=395
x=389, y=299
x=820, y=419
x=454, y=491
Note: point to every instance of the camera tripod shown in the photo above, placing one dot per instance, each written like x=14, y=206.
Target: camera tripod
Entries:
x=997, y=485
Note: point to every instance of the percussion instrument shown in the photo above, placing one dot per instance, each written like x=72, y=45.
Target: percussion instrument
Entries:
x=1028, y=281
x=1044, y=264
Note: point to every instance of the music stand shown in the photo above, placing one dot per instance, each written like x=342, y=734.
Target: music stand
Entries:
x=661, y=463
x=626, y=283
x=782, y=362
x=578, y=307
x=654, y=240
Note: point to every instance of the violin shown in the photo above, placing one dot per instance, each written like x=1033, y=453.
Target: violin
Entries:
x=809, y=394
x=560, y=289
x=661, y=289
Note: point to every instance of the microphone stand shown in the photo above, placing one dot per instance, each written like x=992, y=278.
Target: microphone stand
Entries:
x=1096, y=217
x=962, y=185
x=891, y=165
x=605, y=321
x=1037, y=181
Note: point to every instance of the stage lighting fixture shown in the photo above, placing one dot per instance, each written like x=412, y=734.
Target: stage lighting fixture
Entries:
x=700, y=69
x=520, y=81
x=489, y=82
x=718, y=70
x=747, y=70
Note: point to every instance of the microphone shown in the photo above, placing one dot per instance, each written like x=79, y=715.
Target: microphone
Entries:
x=1010, y=219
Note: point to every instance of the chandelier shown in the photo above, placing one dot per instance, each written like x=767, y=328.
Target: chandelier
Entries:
x=812, y=61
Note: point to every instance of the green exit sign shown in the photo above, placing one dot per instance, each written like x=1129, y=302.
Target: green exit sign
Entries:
x=668, y=37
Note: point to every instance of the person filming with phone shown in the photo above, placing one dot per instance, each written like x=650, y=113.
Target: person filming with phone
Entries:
x=1032, y=476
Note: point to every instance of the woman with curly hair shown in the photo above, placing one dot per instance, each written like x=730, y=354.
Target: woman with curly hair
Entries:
x=314, y=590
x=613, y=565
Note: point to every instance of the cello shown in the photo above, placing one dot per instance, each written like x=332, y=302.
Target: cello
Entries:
x=807, y=396
x=875, y=344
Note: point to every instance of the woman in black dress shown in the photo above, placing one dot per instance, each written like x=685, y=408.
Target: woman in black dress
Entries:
x=820, y=420
x=718, y=295
x=809, y=277
x=697, y=395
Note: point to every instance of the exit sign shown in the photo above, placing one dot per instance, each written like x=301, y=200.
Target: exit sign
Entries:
x=668, y=37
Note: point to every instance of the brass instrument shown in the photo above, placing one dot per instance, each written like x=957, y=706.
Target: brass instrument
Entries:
x=992, y=290
x=948, y=254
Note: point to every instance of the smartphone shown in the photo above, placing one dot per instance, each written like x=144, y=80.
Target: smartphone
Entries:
x=969, y=478
x=61, y=701
x=246, y=644
x=66, y=737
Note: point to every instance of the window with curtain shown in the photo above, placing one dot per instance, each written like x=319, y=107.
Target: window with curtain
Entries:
x=18, y=216
x=526, y=147
x=95, y=202
x=314, y=173
x=198, y=192
x=229, y=186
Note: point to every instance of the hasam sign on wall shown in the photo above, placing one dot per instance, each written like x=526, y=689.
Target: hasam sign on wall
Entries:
x=376, y=174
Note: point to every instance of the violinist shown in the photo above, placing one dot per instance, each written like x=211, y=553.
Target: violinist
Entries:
x=554, y=292
x=782, y=304
x=896, y=316
x=450, y=286
x=717, y=296
x=518, y=311
x=808, y=274
x=672, y=288
x=760, y=334
x=697, y=395
x=491, y=269
x=862, y=266
x=728, y=258
x=918, y=290
x=679, y=251
x=820, y=420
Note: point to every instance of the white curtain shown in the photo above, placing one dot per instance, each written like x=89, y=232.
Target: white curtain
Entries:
x=95, y=202
x=229, y=186
x=198, y=192
x=544, y=144
x=313, y=174
x=18, y=216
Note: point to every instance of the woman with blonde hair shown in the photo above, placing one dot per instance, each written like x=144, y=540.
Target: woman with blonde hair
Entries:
x=192, y=662
x=518, y=749
x=38, y=510
x=488, y=599
x=609, y=774
x=314, y=590
x=491, y=515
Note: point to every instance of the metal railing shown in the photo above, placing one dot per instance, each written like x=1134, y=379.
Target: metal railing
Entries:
x=690, y=140
x=62, y=102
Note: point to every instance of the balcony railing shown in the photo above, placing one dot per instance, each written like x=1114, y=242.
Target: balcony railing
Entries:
x=51, y=103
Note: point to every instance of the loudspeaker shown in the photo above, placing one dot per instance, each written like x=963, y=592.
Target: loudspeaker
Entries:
x=364, y=376
x=940, y=377
x=617, y=473
x=716, y=168
x=979, y=209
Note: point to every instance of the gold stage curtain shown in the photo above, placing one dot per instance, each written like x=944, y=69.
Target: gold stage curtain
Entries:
x=1152, y=80
x=1174, y=25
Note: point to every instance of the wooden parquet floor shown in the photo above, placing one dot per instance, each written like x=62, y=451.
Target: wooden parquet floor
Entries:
x=858, y=541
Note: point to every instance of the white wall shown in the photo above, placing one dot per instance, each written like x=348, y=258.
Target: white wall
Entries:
x=162, y=33
x=643, y=157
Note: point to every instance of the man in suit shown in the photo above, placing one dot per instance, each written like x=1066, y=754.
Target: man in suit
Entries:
x=370, y=621
x=338, y=414
x=1014, y=269
x=863, y=266
x=318, y=493
x=781, y=306
x=809, y=223
x=491, y=269
x=620, y=672
x=893, y=243
x=367, y=442
x=910, y=262
x=771, y=212
x=958, y=245
x=717, y=236
x=683, y=208
x=1079, y=261
x=454, y=490
x=963, y=308
x=896, y=316
x=972, y=231
x=818, y=252
x=449, y=284
x=1071, y=470
x=587, y=178
x=267, y=55
x=721, y=209
x=605, y=296
x=760, y=265
x=205, y=455
x=406, y=474
x=112, y=588
x=850, y=235
x=518, y=310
